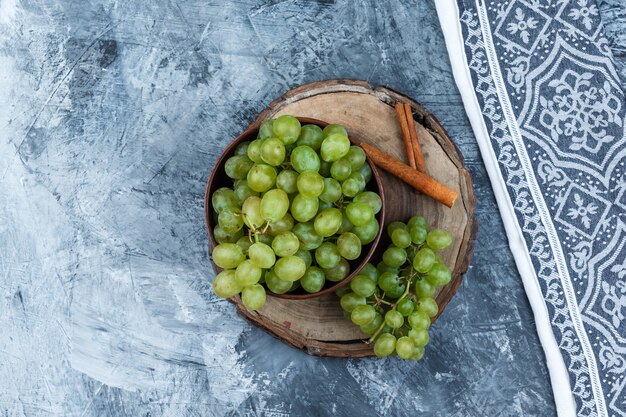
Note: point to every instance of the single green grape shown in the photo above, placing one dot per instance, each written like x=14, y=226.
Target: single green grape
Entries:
x=339, y=272
x=363, y=285
x=251, y=211
x=253, y=296
x=266, y=131
x=424, y=259
x=439, y=274
x=304, y=208
x=244, y=243
x=350, y=301
x=405, y=347
x=394, y=319
x=242, y=148
x=332, y=190
x=334, y=128
x=428, y=306
x=228, y=255
x=363, y=314
x=401, y=238
x=262, y=255
x=366, y=172
x=224, y=237
x=275, y=284
x=254, y=151
x=261, y=177
x=285, y=244
x=223, y=198
x=237, y=167
x=289, y=268
x=313, y=280
x=310, y=184
x=405, y=307
x=311, y=135
x=349, y=246
x=394, y=256
x=274, y=205
x=359, y=213
x=418, y=234
x=273, y=151
x=305, y=255
x=367, y=233
x=353, y=185
x=230, y=220
x=356, y=157
x=423, y=288
x=341, y=169
x=243, y=191
x=304, y=158
x=372, y=326
x=247, y=273
x=370, y=198
x=286, y=180
x=286, y=128
x=419, y=320
x=327, y=255
x=417, y=221
x=438, y=239
x=385, y=345
x=283, y=225
x=309, y=239
x=327, y=222
x=225, y=284
x=419, y=337
x=334, y=146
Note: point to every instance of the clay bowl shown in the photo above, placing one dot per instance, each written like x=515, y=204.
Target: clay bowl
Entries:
x=218, y=178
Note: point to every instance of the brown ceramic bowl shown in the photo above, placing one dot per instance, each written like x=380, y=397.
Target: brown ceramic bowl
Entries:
x=219, y=179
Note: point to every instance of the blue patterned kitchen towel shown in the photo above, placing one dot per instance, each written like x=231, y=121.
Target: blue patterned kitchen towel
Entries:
x=545, y=101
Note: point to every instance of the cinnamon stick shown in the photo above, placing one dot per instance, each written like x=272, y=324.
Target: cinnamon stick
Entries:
x=406, y=134
x=414, y=178
x=418, y=157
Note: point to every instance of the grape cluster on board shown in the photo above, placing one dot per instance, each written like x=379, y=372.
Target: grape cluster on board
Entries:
x=394, y=301
x=297, y=213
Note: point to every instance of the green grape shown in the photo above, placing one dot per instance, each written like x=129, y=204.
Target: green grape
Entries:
x=283, y=225
x=242, y=148
x=251, y=211
x=247, y=273
x=223, y=198
x=371, y=199
x=309, y=239
x=286, y=128
x=395, y=225
x=419, y=320
x=349, y=246
x=237, y=166
x=222, y=236
x=428, y=306
x=341, y=169
x=419, y=337
x=225, y=285
x=391, y=284
x=366, y=172
x=273, y=151
x=405, y=347
x=359, y=214
x=371, y=327
x=353, y=185
x=267, y=239
x=230, y=221
x=266, y=131
x=439, y=274
x=346, y=226
x=275, y=284
x=324, y=205
x=310, y=184
x=394, y=319
x=254, y=151
x=363, y=314
x=367, y=233
x=327, y=222
x=243, y=191
x=438, y=239
x=334, y=146
x=304, y=208
x=305, y=255
x=394, y=256
x=274, y=205
x=244, y=243
x=286, y=244
x=334, y=128
x=363, y=285
x=350, y=301
x=304, y=158
x=370, y=271
x=405, y=307
x=261, y=255
x=286, y=181
x=424, y=259
x=325, y=169
x=356, y=157
x=228, y=255
x=423, y=288
x=417, y=221
x=313, y=280
x=401, y=238
x=253, y=296
x=289, y=268
x=383, y=267
x=261, y=177
x=418, y=354
x=418, y=234
x=339, y=272
x=385, y=345
x=311, y=135
x=327, y=255
x=332, y=190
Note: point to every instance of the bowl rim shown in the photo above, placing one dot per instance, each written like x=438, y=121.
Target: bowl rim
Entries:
x=250, y=134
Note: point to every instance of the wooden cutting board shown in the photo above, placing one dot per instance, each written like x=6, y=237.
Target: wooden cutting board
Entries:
x=318, y=325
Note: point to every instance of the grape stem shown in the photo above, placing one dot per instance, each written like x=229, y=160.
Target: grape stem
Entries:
x=393, y=307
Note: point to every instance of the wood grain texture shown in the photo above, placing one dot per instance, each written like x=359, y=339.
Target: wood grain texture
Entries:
x=318, y=325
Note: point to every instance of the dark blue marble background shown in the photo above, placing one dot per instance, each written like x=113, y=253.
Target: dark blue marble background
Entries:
x=113, y=113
